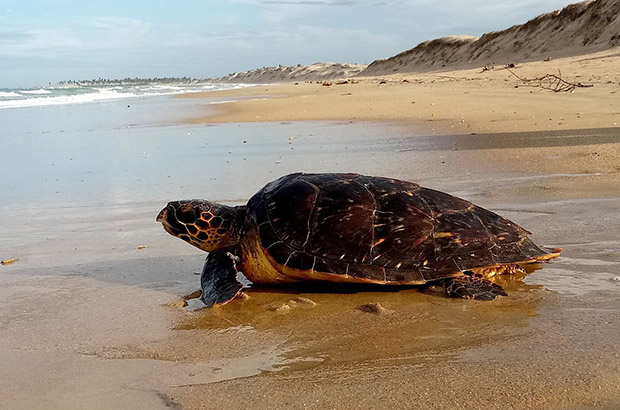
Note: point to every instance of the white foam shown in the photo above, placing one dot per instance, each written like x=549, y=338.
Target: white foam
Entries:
x=67, y=99
x=35, y=92
x=65, y=96
x=8, y=94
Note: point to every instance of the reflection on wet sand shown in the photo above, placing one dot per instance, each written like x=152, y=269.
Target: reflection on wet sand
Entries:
x=326, y=323
x=84, y=314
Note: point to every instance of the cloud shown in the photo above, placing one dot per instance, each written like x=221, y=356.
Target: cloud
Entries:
x=38, y=42
x=305, y=45
x=118, y=25
x=310, y=2
x=90, y=35
x=296, y=2
x=16, y=36
x=105, y=33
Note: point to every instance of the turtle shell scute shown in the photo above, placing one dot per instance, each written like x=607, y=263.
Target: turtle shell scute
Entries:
x=380, y=229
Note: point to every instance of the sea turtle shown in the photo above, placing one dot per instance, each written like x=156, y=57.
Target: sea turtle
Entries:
x=354, y=229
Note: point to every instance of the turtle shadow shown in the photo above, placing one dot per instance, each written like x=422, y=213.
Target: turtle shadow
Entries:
x=346, y=322
x=328, y=288
x=512, y=282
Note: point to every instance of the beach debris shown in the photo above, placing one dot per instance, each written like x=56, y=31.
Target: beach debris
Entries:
x=143, y=246
x=551, y=82
x=301, y=301
x=295, y=302
x=374, y=308
x=281, y=309
x=9, y=261
x=177, y=304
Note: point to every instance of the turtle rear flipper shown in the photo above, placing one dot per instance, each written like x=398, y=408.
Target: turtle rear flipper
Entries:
x=219, y=278
x=468, y=286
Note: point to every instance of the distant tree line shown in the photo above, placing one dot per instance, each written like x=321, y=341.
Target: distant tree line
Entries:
x=134, y=81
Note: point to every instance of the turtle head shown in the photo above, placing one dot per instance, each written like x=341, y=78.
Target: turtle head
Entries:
x=206, y=225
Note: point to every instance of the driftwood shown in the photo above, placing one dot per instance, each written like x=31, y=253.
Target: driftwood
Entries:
x=551, y=82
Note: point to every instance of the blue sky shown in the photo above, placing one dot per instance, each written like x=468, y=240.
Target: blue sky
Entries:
x=52, y=40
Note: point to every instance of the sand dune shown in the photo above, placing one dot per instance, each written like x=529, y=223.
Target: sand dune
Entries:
x=581, y=28
x=314, y=72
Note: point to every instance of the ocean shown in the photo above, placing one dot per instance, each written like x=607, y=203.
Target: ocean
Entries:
x=66, y=95
x=83, y=181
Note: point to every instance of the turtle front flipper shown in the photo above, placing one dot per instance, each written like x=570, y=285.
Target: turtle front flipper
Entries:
x=470, y=286
x=219, y=278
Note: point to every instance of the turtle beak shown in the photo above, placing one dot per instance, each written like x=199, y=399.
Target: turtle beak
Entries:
x=161, y=217
x=163, y=214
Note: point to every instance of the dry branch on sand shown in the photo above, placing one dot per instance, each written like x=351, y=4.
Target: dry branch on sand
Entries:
x=551, y=82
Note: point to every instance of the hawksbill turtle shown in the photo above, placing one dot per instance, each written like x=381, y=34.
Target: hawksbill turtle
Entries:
x=354, y=229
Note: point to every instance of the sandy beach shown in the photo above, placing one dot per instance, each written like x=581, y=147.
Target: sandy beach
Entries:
x=446, y=102
x=97, y=323
x=549, y=160
x=483, y=109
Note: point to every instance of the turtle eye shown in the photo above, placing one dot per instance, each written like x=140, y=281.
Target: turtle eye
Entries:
x=187, y=214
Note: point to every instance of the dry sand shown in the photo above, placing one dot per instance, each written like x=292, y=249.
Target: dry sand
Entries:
x=491, y=105
x=549, y=161
x=453, y=102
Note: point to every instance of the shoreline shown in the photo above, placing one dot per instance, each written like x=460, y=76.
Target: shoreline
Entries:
x=91, y=315
x=556, y=155
x=440, y=103
x=579, y=130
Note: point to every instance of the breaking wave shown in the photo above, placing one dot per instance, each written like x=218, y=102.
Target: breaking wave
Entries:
x=87, y=94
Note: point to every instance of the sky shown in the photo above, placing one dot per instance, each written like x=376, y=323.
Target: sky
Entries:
x=47, y=41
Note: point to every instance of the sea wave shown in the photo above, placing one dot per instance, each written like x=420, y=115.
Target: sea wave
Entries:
x=9, y=94
x=66, y=99
x=84, y=95
x=35, y=92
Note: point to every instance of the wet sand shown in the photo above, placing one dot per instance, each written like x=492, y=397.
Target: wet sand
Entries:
x=90, y=317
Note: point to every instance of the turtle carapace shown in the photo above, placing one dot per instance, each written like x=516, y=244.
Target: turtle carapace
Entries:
x=354, y=229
